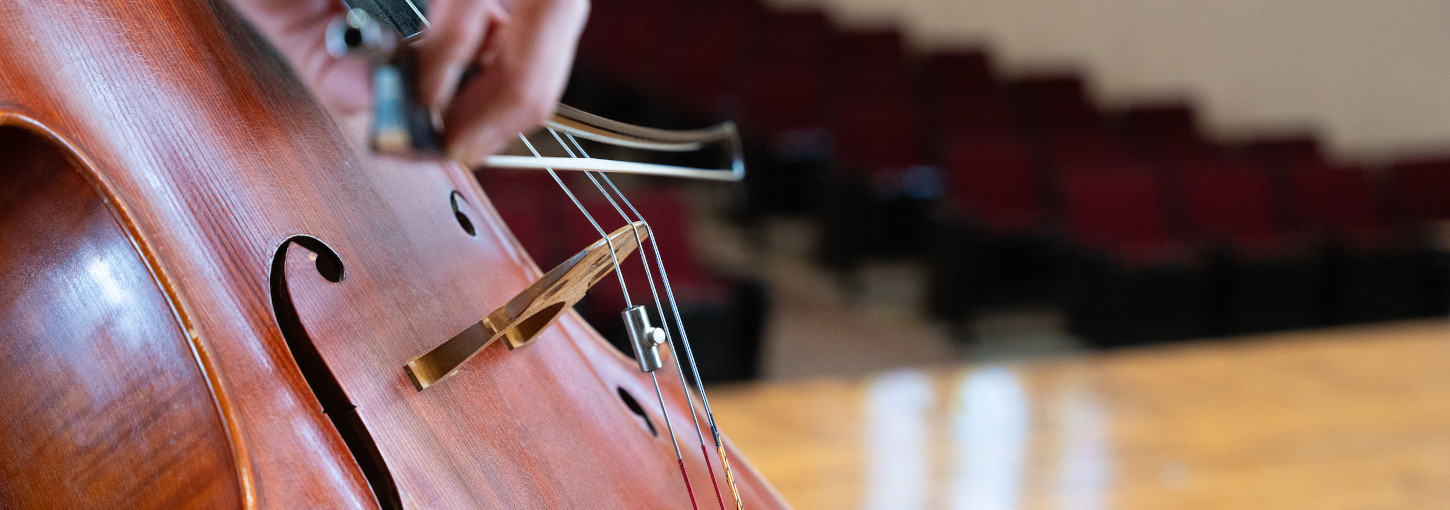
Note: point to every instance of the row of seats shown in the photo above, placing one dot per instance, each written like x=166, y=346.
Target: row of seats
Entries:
x=1155, y=231
x=1022, y=188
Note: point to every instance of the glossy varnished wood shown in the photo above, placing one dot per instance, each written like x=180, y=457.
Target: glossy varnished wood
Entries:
x=205, y=154
x=94, y=367
x=1335, y=419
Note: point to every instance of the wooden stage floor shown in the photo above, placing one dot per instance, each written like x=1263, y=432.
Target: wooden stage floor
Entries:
x=1329, y=419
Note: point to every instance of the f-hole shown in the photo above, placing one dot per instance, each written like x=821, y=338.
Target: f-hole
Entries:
x=463, y=221
x=637, y=409
x=314, y=369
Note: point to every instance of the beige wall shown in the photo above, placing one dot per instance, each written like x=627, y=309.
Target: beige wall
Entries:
x=1373, y=76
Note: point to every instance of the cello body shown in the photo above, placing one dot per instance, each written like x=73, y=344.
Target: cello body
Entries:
x=208, y=291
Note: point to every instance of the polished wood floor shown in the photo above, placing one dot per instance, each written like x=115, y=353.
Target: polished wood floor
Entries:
x=1353, y=418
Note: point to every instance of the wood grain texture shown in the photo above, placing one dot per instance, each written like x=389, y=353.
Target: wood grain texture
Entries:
x=1335, y=419
x=209, y=154
x=95, y=368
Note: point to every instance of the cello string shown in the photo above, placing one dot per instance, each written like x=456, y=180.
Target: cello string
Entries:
x=623, y=289
x=669, y=428
x=607, y=240
x=684, y=339
x=418, y=12
x=659, y=308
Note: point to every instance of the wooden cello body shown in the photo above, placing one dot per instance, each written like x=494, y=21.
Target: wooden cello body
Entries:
x=208, y=292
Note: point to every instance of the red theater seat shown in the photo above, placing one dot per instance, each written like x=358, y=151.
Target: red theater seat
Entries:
x=1378, y=271
x=1267, y=278
x=990, y=240
x=879, y=137
x=1338, y=200
x=705, y=50
x=1088, y=151
x=1232, y=204
x=1168, y=129
x=1053, y=103
x=963, y=96
x=783, y=71
x=1285, y=153
x=1123, y=212
x=871, y=64
x=995, y=181
x=960, y=74
x=1423, y=188
x=1132, y=278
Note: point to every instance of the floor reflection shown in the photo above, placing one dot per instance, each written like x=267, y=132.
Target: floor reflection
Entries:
x=1335, y=419
x=1085, y=469
x=989, y=432
x=897, y=437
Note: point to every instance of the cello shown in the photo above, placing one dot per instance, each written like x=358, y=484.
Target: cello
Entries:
x=213, y=292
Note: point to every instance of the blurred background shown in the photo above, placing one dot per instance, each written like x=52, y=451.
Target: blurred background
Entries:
x=1047, y=253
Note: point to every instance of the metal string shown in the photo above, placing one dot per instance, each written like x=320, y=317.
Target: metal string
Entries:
x=418, y=12
x=684, y=338
x=659, y=308
x=670, y=429
x=607, y=239
x=625, y=290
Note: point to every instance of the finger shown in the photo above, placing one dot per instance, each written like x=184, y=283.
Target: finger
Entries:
x=298, y=30
x=343, y=84
x=451, y=44
x=521, y=83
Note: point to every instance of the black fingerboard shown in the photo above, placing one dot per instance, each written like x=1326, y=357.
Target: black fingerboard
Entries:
x=407, y=17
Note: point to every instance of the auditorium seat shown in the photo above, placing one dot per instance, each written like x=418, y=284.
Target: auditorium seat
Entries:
x=784, y=68
x=705, y=49
x=1422, y=188
x=1166, y=131
x=993, y=179
x=990, y=240
x=1154, y=229
x=986, y=116
x=525, y=218
x=1130, y=277
x=963, y=97
x=1376, y=269
x=960, y=74
x=1087, y=150
x=879, y=182
x=871, y=65
x=877, y=138
x=1054, y=102
x=1267, y=277
x=1340, y=201
x=625, y=39
x=524, y=198
x=1422, y=192
x=1281, y=154
x=782, y=77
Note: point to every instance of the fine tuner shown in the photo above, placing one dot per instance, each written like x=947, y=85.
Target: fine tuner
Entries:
x=160, y=184
x=402, y=126
x=520, y=320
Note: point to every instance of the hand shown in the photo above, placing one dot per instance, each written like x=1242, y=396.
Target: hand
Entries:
x=523, y=48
